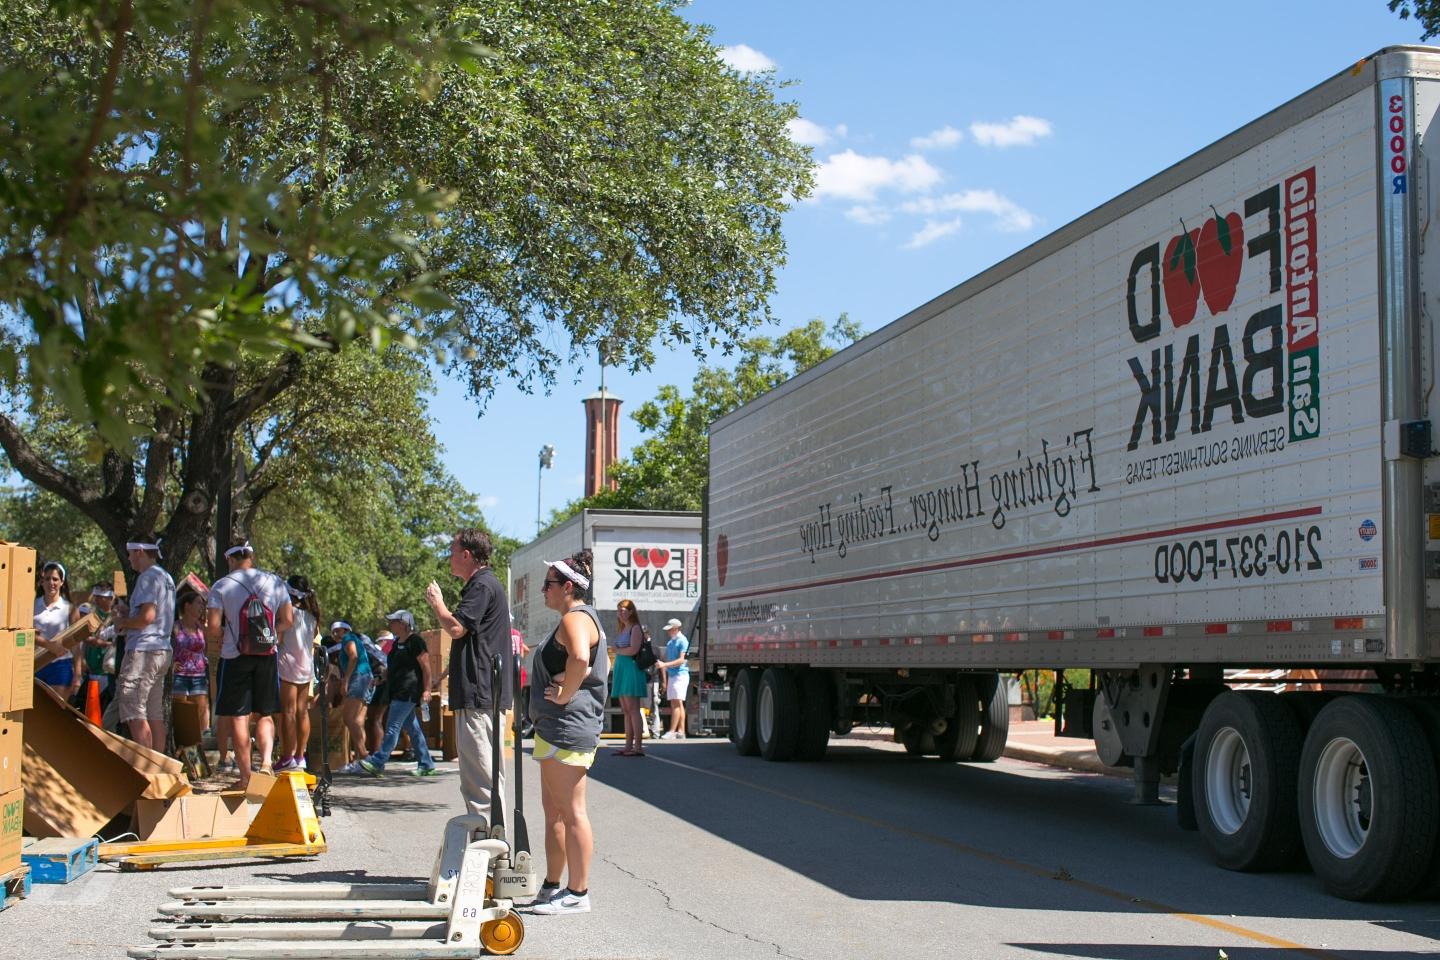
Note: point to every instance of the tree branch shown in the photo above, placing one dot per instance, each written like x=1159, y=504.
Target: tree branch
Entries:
x=33, y=467
x=158, y=455
x=281, y=377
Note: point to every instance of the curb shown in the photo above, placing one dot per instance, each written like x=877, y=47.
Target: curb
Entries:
x=1069, y=761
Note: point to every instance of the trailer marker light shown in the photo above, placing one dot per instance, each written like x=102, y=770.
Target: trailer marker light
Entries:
x=1106, y=634
x=1280, y=626
x=1014, y=637
x=1349, y=623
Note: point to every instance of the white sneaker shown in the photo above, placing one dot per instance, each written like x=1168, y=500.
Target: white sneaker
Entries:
x=545, y=896
x=670, y=735
x=567, y=902
x=352, y=767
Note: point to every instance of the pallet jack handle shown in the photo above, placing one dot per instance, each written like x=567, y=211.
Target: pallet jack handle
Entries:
x=522, y=835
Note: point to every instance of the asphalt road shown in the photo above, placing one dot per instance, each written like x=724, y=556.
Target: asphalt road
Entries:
x=704, y=854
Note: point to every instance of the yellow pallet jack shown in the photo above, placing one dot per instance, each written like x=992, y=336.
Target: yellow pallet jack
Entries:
x=466, y=908
x=285, y=826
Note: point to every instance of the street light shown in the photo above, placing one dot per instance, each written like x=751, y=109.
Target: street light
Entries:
x=547, y=459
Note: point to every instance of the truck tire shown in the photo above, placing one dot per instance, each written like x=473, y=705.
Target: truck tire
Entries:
x=742, y=711
x=958, y=740
x=1244, y=781
x=1428, y=713
x=817, y=698
x=777, y=714
x=917, y=739
x=1368, y=799
x=993, y=701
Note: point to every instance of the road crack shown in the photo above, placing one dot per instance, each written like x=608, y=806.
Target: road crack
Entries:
x=673, y=907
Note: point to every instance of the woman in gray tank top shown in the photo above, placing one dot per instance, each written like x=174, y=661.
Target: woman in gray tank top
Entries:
x=567, y=705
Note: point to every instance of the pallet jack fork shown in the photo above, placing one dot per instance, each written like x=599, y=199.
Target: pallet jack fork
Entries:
x=466, y=908
x=285, y=826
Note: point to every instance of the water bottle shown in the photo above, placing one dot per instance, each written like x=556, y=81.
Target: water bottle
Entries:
x=425, y=711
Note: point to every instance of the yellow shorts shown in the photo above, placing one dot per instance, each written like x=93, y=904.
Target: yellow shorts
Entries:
x=545, y=750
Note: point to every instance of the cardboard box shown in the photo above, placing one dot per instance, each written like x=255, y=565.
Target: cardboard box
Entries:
x=17, y=669
x=12, y=748
x=18, y=584
x=189, y=723
x=12, y=829
x=448, y=738
x=192, y=817
x=72, y=636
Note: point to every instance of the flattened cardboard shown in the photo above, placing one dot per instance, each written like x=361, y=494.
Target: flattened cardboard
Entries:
x=259, y=786
x=12, y=829
x=72, y=636
x=78, y=777
x=19, y=586
x=193, y=817
x=12, y=748
x=118, y=584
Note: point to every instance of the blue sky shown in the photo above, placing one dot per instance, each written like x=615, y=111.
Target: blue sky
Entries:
x=947, y=136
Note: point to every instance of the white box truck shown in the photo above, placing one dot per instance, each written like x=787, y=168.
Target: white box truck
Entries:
x=1187, y=433
x=652, y=558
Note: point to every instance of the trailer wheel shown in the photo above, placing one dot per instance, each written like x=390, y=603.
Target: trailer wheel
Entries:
x=742, y=711
x=777, y=714
x=1244, y=781
x=1428, y=713
x=963, y=729
x=817, y=698
x=917, y=739
x=994, y=703
x=1368, y=799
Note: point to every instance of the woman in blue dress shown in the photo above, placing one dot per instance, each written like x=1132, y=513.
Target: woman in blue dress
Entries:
x=627, y=681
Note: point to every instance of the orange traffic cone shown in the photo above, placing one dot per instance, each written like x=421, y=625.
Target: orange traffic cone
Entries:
x=92, y=701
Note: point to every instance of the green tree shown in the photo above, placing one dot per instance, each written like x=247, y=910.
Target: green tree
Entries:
x=1427, y=12
x=669, y=468
x=199, y=194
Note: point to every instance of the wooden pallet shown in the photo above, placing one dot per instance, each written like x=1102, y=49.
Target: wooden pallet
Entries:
x=60, y=859
x=15, y=886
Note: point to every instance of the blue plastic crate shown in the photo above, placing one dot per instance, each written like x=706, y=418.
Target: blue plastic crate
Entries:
x=14, y=887
x=60, y=859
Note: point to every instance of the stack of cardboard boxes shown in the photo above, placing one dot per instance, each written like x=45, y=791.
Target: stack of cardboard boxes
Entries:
x=17, y=675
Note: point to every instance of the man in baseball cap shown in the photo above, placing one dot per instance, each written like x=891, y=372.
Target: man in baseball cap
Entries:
x=409, y=682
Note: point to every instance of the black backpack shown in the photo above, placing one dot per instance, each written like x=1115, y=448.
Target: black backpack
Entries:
x=645, y=657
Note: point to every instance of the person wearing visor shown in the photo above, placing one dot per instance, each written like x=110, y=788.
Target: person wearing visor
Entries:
x=100, y=645
x=296, y=667
x=568, y=689
x=248, y=611
x=480, y=629
x=140, y=688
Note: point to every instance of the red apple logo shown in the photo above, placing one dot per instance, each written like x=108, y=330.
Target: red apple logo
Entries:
x=722, y=557
x=658, y=557
x=1181, y=279
x=1221, y=254
x=641, y=558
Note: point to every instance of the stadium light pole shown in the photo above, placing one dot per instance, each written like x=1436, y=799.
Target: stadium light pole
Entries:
x=547, y=459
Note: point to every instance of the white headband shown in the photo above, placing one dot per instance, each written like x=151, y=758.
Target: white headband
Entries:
x=339, y=625
x=132, y=545
x=242, y=548
x=57, y=565
x=298, y=594
x=102, y=592
x=579, y=579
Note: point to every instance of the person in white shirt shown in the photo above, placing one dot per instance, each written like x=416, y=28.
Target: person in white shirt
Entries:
x=249, y=610
x=297, y=674
x=53, y=613
x=140, y=688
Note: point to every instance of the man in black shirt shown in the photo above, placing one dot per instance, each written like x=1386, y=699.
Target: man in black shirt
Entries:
x=408, y=675
x=480, y=629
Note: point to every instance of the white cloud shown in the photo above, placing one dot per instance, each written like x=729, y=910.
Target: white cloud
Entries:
x=810, y=134
x=1009, y=215
x=871, y=216
x=746, y=59
x=932, y=231
x=1018, y=131
x=946, y=136
x=852, y=176
x=488, y=502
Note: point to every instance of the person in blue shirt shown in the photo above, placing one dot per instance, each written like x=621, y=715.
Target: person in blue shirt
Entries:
x=677, y=678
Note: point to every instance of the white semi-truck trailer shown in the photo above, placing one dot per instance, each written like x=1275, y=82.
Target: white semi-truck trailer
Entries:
x=1186, y=434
